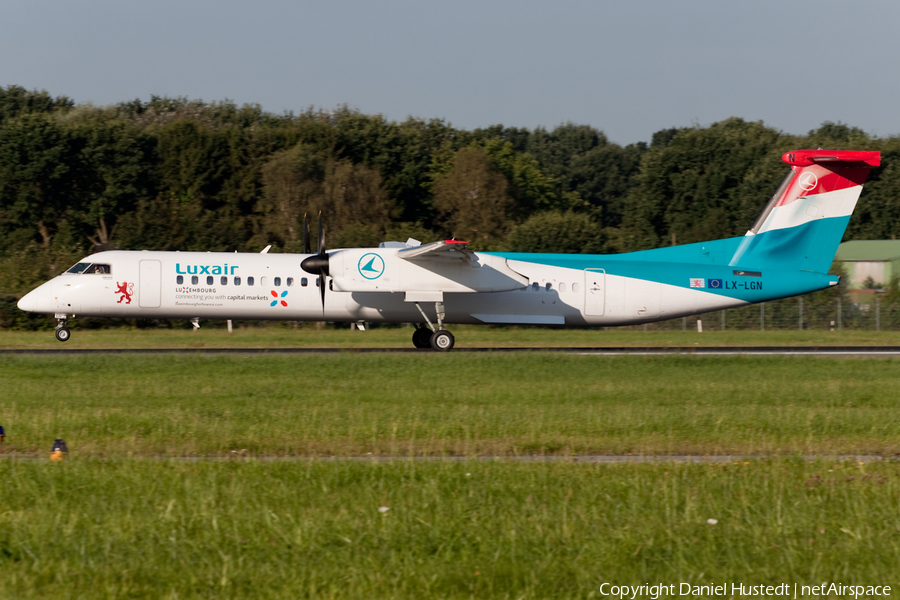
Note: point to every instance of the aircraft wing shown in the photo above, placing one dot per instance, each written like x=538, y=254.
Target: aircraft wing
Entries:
x=443, y=249
x=442, y=266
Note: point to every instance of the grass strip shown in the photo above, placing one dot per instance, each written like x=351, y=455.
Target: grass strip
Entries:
x=156, y=529
x=456, y=404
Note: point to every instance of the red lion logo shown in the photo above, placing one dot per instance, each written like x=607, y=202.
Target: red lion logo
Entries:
x=126, y=289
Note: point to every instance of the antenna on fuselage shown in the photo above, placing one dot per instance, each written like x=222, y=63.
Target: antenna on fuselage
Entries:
x=306, y=247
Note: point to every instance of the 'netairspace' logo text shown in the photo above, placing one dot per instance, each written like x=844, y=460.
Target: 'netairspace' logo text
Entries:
x=785, y=590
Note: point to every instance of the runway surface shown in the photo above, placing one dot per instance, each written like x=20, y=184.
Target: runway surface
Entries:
x=862, y=351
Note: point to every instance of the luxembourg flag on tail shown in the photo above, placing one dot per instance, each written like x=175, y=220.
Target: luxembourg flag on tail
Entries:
x=802, y=225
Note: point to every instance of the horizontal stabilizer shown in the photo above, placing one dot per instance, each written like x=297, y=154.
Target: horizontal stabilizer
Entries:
x=805, y=158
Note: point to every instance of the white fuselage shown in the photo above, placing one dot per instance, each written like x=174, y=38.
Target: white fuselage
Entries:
x=219, y=285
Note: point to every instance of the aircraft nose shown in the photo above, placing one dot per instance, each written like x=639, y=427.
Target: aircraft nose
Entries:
x=28, y=302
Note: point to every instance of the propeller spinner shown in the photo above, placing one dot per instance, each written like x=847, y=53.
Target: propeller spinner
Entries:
x=318, y=263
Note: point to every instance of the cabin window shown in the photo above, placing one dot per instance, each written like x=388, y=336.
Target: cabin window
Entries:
x=535, y=286
x=549, y=286
x=264, y=281
x=290, y=281
x=237, y=281
x=317, y=281
x=277, y=282
x=179, y=280
x=249, y=281
x=562, y=287
x=303, y=281
x=224, y=280
x=79, y=268
x=575, y=287
x=194, y=280
x=209, y=280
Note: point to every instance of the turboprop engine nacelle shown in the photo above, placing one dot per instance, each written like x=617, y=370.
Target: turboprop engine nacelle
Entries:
x=382, y=270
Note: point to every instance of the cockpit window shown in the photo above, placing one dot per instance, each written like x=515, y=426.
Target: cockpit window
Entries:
x=98, y=269
x=85, y=268
x=79, y=268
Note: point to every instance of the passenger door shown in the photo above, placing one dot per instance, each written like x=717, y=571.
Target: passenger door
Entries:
x=149, y=284
x=594, y=292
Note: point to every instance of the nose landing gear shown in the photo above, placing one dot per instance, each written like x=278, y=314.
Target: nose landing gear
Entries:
x=62, y=332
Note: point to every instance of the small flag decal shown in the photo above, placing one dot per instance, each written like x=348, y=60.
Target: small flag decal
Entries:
x=715, y=284
x=698, y=283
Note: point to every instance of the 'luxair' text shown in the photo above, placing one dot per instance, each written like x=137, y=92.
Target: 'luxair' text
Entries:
x=204, y=269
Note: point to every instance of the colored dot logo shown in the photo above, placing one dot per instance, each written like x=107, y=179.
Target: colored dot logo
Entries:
x=276, y=301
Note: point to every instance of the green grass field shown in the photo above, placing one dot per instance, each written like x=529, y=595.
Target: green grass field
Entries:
x=159, y=529
x=467, y=336
x=122, y=516
x=448, y=404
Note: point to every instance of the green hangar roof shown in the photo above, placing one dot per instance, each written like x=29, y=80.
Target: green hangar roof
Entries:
x=868, y=250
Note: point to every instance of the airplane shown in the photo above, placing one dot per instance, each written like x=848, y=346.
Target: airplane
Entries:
x=787, y=252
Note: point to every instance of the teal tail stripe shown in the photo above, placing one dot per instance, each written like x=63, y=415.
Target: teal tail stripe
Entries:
x=770, y=284
x=807, y=247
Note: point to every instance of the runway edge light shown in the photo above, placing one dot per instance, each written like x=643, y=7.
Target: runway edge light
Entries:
x=59, y=451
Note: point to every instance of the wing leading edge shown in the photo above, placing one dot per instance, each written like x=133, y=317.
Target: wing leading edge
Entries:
x=442, y=249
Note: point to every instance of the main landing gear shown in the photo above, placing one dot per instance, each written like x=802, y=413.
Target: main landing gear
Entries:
x=422, y=337
x=62, y=332
x=430, y=337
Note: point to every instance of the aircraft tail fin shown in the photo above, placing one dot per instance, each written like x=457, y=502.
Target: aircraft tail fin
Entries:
x=802, y=225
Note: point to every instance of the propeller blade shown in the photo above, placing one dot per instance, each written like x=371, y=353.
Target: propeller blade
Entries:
x=317, y=264
x=306, y=248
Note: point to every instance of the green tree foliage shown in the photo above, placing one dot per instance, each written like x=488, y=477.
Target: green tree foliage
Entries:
x=181, y=174
x=39, y=169
x=558, y=232
x=582, y=161
x=114, y=177
x=292, y=187
x=303, y=181
x=473, y=199
x=16, y=100
x=691, y=189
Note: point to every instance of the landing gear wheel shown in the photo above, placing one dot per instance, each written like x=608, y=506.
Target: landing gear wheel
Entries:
x=442, y=340
x=422, y=338
x=63, y=334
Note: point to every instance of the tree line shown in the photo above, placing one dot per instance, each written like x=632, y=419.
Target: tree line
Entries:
x=181, y=174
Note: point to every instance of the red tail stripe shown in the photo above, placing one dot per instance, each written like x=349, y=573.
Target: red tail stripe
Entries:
x=822, y=180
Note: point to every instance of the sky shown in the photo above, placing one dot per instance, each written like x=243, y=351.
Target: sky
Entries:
x=629, y=68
